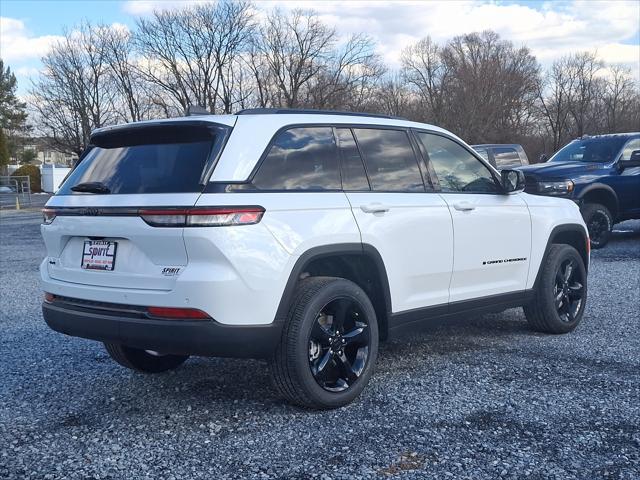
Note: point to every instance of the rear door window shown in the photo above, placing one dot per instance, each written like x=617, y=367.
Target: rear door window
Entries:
x=301, y=158
x=354, y=177
x=157, y=159
x=506, y=157
x=391, y=162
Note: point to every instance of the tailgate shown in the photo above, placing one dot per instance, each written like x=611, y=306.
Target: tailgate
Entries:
x=94, y=220
x=146, y=257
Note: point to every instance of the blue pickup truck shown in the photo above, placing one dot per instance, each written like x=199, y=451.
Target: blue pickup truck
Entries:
x=601, y=173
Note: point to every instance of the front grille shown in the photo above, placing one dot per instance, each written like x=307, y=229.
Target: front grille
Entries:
x=530, y=184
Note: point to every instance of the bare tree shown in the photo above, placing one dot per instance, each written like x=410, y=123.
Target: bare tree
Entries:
x=394, y=98
x=187, y=52
x=425, y=72
x=134, y=99
x=576, y=98
x=74, y=94
x=295, y=48
x=477, y=85
x=218, y=55
x=349, y=78
x=583, y=69
x=555, y=97
x=492, y=84
x=621, y=101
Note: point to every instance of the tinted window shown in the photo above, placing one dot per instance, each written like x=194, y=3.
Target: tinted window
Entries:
x=391, y=162
x=506, y=157
x=629, y=148
x=482, y=152
x=456, y=168
x=146, y=160
x=300, y=159
x=596, y=149
x=353, y=174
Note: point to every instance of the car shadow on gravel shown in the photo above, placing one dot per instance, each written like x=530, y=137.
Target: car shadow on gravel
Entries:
x=220, y=384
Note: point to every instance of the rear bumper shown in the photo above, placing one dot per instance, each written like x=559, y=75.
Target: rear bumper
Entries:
x=186, y=337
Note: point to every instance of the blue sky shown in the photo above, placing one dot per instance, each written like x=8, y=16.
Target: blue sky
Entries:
x=550, y=29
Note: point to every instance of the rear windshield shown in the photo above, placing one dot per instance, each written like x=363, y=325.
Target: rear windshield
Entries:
x=153, y=159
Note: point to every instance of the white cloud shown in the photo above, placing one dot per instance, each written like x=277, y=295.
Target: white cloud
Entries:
x=18, y=45
x=146, y=7
x=552, y=30
x=27, y=71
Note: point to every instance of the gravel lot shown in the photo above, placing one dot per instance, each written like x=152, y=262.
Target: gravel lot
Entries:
x=480, y=397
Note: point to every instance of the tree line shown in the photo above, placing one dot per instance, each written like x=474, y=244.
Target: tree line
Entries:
x=224, y=57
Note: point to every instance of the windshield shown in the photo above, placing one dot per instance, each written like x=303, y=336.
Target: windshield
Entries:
x=602, y=150
x=158, y=159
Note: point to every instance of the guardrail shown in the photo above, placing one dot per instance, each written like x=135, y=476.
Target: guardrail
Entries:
x=15, y=192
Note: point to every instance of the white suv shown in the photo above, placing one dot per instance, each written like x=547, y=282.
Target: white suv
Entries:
x=302, y=237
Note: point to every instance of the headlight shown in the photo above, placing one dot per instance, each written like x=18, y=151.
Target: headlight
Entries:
x=559, y=189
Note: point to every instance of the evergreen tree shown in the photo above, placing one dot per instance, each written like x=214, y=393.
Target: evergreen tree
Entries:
x=4, y=150
x=13, y=115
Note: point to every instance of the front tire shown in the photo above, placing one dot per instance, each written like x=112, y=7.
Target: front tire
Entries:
x=145, y=361
x=599, y=223
x=561, y=293
x=329, y=344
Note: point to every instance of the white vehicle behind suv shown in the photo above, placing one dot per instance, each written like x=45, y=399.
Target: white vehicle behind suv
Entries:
x=302, y=237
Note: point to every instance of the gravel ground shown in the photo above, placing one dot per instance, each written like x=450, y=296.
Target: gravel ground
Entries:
x=481, y=397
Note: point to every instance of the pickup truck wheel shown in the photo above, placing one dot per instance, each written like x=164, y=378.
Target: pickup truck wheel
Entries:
x=146, y=361
x=561, y=293
x=599, y=222
x=329, y=344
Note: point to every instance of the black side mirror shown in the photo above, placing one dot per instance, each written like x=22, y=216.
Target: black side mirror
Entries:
x=543, y=158
x=634, y=160
x=512, y=181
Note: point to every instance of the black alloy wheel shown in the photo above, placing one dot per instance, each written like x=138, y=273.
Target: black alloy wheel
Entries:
x=329, y=344
x=599, y=227
x=568, y=290
x=599, y=222
x=560, y=291
x=339, y=344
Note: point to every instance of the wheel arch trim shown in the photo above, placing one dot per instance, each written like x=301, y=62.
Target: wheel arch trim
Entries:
x=560, y=229
x=333, y=250
x=594, y=187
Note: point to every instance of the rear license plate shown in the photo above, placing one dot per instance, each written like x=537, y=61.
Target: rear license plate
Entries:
x=99, y=255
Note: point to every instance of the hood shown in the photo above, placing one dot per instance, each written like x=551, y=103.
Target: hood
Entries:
x=560, y=169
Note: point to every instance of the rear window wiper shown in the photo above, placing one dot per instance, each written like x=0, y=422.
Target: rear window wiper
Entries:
x=91, y=187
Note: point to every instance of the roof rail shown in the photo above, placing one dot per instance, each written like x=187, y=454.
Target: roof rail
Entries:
x=271, y=111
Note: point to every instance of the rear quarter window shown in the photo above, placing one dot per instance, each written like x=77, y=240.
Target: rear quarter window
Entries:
x=506, y=157
x=300, y=158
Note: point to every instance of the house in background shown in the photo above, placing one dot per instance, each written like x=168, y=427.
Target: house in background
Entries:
x=38, y=151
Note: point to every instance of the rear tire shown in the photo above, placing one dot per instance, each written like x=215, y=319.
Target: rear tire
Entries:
x=143, y=360
x=329, y=344
x=599, y=223
x=561, y=293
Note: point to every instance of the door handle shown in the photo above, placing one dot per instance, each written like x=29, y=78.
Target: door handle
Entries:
x=464, y=206
x=374, y=208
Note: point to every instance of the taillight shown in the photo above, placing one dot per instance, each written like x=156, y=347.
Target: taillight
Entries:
x=202, y=216
x=49, y=297
x=177, y=313
x=49, y=215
